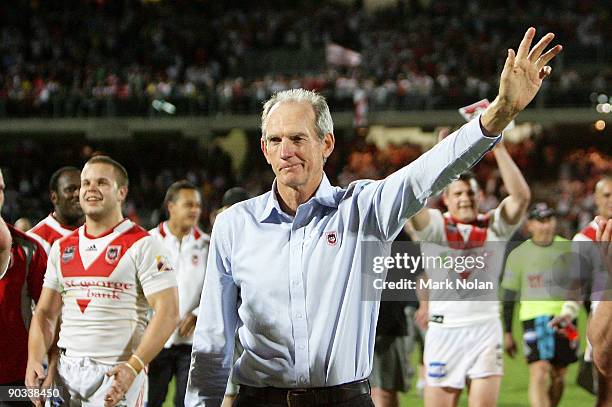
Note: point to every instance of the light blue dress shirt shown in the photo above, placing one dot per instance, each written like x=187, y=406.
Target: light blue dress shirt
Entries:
x=293, y=285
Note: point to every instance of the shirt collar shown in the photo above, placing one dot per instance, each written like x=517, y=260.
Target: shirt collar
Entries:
x=165, y=233
x=325, y=195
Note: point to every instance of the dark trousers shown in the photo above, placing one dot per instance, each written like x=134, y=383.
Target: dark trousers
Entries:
x=170, y=362
x=365, y=400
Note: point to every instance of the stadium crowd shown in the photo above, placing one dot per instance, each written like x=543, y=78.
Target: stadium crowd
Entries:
x=565, y=179
x=103, y=58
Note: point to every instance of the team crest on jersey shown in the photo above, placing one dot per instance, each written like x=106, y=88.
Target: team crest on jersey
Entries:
x=162, y=264
x=331, y=238
x=112, y=254
x=68, y=254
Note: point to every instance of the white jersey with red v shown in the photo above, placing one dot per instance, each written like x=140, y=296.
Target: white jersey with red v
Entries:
x=466, y=235
x=48, y=231
x=445, y=236
x=104, y=282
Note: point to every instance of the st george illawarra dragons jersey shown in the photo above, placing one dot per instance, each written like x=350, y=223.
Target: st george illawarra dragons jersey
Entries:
x=104, y=282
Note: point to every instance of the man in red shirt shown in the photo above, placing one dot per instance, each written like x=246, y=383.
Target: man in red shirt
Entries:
x=5, y=246
x=19, y=285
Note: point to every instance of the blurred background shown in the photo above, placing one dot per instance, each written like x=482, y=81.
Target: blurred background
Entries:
x=174, y=89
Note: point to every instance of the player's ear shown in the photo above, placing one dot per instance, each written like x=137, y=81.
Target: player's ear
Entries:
x=123, y=191
x=53, y=197
x=264, y=148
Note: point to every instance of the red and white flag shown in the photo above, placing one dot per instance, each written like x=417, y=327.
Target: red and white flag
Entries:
x=340, y=56
x=472, y=111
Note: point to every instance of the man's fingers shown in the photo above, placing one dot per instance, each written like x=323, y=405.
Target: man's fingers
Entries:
x=509, y=62
x=550, y=54
x=113, y=371
x=535, y=53
x=544, y=72
x=523, y=49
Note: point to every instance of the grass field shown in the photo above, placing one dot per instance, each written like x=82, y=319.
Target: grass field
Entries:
x=514, y=385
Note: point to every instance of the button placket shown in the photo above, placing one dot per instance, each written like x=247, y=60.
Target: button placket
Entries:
x=298, y=306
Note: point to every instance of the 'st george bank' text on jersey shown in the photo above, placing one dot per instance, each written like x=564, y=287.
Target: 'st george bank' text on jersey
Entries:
x=104, y=282
x=446, y=237
x=48, y=231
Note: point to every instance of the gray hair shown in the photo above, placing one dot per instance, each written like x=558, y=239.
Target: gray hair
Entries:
x=323, y=120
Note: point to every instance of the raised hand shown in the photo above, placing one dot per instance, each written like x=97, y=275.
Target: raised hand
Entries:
x=520, y=81
x=524, y=72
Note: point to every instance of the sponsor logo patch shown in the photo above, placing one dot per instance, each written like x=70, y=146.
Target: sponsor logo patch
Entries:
x=68, y=254
x=436, y=370
x=162, y=264
x=438, y=319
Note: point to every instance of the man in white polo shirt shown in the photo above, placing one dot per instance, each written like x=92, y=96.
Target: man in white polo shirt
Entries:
x=187, y=246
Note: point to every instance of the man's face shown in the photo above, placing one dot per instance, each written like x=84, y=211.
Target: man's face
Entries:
x=66, y=198
x=461, y=199
x=292, y=146
x=542, y=230
x=100, y=194
x=603, y=198
x=185, y=210
x=2, y=186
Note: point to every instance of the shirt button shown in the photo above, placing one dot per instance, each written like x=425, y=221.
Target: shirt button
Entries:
x=302, y=379
x=301, y=347
x=296, y=283
x=298, y=316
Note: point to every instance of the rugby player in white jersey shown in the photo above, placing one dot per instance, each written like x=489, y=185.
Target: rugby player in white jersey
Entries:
x=591, y=276
x=464, y=338
x=101, y=279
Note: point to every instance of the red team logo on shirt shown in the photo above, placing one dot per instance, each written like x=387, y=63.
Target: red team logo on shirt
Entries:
x=112, y=254
x=331, y=238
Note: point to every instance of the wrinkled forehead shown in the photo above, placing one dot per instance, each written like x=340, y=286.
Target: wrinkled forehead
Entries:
x=603, y=187
x=290, y=116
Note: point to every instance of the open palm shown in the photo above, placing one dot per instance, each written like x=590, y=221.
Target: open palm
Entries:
x=524, y=71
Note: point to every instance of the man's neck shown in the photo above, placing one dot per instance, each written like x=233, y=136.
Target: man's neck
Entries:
x=290, y=198
x=177, y=231
x=71, y=223
x=543, y=242
x=96, y=227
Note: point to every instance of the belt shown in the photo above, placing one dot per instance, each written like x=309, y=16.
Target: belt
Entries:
x=313, y=396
